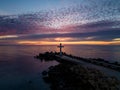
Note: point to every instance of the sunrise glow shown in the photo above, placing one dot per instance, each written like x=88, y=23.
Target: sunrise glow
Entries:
x=69, y=43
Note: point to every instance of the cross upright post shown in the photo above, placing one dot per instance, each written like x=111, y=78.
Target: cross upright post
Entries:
x=60, y=46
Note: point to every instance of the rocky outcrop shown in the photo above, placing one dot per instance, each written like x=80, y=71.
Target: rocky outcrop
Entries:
x=76, y=77
x=96, y=78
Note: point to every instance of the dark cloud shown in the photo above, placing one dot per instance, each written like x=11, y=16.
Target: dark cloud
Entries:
x=101, y=24
x=21, y=24
x=99, y=36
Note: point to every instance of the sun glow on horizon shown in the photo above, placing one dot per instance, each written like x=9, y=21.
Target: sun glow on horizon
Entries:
x=69, y=43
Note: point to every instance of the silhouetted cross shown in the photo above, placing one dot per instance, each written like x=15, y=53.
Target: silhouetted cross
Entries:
x=60, y=46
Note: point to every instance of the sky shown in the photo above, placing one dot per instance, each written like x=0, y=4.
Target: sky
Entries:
x=49, y=22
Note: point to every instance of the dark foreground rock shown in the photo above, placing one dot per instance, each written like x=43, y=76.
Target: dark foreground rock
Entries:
x=76, y=77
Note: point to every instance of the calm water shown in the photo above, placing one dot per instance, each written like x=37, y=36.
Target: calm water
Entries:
x=17, y=65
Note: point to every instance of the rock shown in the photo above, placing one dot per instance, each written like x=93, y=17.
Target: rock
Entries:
x=44, y=73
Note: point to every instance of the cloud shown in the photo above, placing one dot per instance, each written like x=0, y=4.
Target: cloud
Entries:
x=86, y=21
x=8, y=36
x=80, y=17
x=108, y=35
x=28, y=24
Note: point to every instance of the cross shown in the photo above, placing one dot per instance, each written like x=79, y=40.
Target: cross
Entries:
x=60, y=46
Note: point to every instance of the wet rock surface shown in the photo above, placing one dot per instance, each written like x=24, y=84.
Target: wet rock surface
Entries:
x=76, y=77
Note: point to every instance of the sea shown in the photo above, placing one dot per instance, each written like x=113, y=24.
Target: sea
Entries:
x=19, y=70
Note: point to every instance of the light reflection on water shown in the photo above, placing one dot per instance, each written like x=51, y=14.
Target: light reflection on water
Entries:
x=17, y=65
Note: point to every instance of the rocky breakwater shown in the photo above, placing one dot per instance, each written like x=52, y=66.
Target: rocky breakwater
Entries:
x=48, y=56
x=76, y=77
